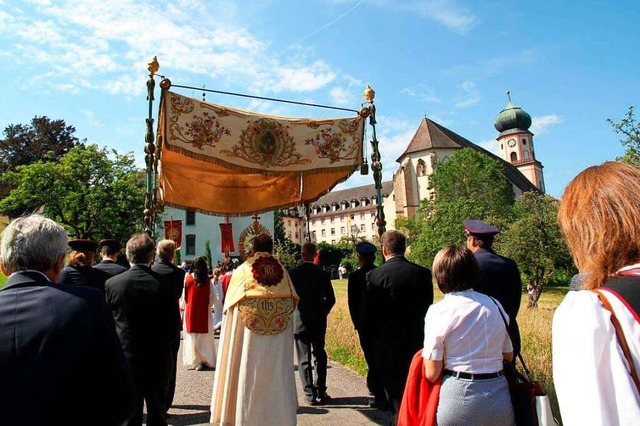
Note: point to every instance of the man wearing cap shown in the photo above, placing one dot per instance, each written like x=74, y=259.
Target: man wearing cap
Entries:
x=314, y=288
x=109, y=251
x=254, y=382
x=499, y=275
x=143, y=308
x=61, y=362
x=356, y=287
x=174, y=278
x=397, y=298
x=80, y=270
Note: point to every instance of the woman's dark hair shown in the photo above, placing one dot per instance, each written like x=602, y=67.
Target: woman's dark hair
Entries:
x=200, y=271
x=455, y=269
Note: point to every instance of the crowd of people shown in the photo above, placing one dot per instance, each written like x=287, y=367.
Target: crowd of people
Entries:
x=86, y=344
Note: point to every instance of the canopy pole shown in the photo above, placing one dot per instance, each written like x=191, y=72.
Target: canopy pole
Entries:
x=376, y=163
x=150, y=198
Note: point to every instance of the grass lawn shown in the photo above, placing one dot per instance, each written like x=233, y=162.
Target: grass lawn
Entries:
x=535, y=329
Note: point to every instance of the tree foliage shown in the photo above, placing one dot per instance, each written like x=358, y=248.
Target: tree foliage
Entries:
x=470, y=184
x=630, y=129
x=535, y=242
x=41, y=140
x=278, y=227
x=288, y=252
x=92, y=195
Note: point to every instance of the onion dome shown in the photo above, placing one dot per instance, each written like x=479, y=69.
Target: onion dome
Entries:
x=512, y=117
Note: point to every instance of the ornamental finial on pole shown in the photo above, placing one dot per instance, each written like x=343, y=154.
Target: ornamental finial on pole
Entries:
x=153, y=66
x=369, y=94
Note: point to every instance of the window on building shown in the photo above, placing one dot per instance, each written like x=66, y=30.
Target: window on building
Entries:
x=525, y=154
x=514, y=156
x=524, y=141
x=353, y=216
x=362, y=228
x=333, y=231
x=333, y=241
x=362, y=215
x=373, y=226
x=342, y=230
x=296, y=235
x=342, y=219
x=332, y=219
x=313, y=222
x=191, y=244
x=323, y=233
x=322, y=222
x=191, y=217
x=421, y=168
x=373, y=214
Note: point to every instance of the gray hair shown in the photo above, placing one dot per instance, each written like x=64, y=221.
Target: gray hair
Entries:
x=140, y=249
x=32, y=242
x=166, y=250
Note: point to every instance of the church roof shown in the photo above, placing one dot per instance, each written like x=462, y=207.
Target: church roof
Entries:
x=357, y=193
x=431, y=135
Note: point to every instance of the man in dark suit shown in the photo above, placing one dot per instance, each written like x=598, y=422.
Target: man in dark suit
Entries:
x=397, y=298
x=174, y=278
x=144, y=310
x=314, y=288
x=109, y=251
x=60, y=358
x=499, y=275
x=356, y=290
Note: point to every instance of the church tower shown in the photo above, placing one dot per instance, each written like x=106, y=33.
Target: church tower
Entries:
x=515, y=142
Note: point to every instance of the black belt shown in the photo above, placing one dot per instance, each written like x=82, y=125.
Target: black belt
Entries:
x=470, y=376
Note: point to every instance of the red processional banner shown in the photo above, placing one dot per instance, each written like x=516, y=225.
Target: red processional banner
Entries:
x=226, y=238
x=173, y=231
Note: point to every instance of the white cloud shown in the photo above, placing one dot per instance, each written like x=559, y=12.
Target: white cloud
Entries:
x=542, y=123
x=422, y=93
x=91, y=119
x=469, y=96
x=447, y=13
x=341, y=96
x=490, y=145
x=111, y=42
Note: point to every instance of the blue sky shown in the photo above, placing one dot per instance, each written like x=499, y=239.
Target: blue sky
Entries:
x=571, y=65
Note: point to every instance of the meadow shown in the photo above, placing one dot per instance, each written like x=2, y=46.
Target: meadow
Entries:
x=535, y=329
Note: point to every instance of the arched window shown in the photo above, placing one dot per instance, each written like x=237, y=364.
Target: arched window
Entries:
x=524, y=141
x=525, y=154
x=514, y=156
x=421, y=168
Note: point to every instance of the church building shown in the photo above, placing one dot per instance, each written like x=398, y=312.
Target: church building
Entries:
x=332, y=216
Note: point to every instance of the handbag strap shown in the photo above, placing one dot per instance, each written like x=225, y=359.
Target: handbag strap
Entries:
x=621, y=339
x=506, y=326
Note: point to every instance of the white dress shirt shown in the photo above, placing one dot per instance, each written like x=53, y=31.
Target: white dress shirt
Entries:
x=466, y=328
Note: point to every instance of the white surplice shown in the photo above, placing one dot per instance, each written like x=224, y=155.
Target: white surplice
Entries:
x=590, y=372
x=254, y=382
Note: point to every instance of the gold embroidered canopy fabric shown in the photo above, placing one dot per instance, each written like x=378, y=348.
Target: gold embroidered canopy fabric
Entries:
x=222, y=160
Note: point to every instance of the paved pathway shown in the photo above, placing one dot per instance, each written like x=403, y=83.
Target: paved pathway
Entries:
x=347, y=406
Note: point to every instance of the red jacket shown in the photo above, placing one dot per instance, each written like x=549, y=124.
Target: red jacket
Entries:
x=420, y=398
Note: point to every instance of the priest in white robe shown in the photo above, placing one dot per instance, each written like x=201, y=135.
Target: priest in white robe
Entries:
x=254, y=381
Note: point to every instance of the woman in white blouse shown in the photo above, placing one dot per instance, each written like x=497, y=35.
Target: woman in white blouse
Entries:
x=466, y=340
x=600, y=218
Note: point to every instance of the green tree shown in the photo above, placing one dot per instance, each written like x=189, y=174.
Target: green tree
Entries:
x=207, y=253
x=92, y=195
x=630, y=129
x=535, y=242
x=470, y=184
x=288, y=252
x=278, y=227
x=41, y=140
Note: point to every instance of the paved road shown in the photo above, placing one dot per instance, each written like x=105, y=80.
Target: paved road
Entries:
x=347, y=406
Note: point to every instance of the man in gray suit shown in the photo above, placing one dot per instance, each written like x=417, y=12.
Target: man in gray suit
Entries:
x=314, y=288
